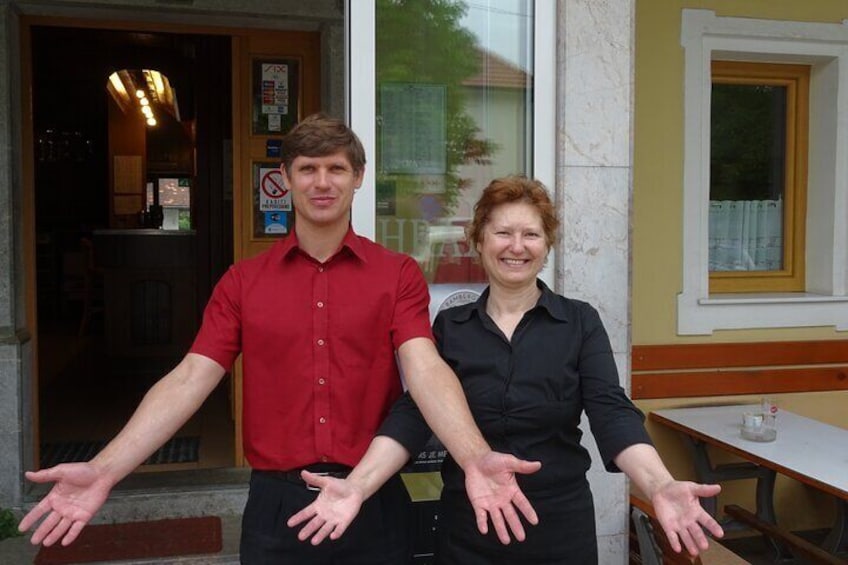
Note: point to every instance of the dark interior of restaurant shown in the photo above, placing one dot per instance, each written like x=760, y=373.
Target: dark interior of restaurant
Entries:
x=108, y=325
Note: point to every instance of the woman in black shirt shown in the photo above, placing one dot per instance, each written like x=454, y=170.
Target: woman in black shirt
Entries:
x=531, y=364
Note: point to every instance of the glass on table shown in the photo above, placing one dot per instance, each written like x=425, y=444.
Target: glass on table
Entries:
x=761, y=425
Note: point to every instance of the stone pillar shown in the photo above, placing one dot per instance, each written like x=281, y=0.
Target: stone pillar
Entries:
x=15, y=348
x=595, y=84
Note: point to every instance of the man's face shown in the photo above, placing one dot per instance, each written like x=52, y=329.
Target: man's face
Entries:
x=322, y=189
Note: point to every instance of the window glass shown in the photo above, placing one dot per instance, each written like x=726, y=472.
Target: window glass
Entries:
x=454, y=85
x=747, y=177
x=175, y=199
x=759, y=125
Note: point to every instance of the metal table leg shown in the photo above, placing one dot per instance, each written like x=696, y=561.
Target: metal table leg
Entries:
x=837, y=539
x=706, y=472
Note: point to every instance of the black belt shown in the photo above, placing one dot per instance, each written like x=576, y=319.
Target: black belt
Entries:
x=335, y=470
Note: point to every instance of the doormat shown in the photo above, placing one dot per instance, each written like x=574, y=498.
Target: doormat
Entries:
x=138, y=540
x=176, y=450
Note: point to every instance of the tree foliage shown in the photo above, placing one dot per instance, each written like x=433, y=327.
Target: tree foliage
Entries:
x=747, y=148
x=422, y=42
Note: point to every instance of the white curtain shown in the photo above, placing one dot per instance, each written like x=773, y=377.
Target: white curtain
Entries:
x=746, y=235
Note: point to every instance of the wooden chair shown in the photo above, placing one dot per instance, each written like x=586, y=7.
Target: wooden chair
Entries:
x=655, y=549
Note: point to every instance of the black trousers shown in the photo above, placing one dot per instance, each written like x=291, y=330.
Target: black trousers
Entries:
x=380, y=534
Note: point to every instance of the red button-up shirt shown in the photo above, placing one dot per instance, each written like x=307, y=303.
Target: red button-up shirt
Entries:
x=318, y=345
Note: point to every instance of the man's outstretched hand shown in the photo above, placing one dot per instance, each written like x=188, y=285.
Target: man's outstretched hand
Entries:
x=495, y=495
x=78, y=493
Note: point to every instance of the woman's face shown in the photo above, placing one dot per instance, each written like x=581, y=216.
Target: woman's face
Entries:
x=513, y=248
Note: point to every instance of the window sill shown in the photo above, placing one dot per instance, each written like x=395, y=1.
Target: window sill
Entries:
x=702, y=316
x=770, y=298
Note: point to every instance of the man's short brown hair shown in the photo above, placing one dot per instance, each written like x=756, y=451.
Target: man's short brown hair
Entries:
x=320, y=135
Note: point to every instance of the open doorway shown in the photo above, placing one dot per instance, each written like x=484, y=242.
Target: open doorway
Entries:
x=118, y=297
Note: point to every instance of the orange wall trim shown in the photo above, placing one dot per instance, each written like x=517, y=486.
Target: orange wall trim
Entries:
x=676, y=371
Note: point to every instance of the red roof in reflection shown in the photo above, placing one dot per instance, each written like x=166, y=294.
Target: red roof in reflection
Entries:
x=496, y=71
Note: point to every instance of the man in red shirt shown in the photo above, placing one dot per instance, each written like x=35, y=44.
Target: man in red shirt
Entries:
x=320, y=320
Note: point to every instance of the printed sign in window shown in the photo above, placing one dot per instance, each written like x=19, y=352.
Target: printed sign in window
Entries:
x=412, y=132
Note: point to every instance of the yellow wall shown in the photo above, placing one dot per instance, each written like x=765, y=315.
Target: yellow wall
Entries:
x=658, y=162
x=797, y=507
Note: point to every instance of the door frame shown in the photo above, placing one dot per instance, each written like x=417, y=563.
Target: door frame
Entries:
x=119, y=21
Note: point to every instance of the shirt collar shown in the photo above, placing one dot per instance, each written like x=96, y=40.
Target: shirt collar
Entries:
x=351, y=242
x=551, y=302
x=548, y=301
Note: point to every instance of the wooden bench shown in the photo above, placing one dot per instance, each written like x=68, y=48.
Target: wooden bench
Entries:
x=655, y=549
x=800, y=547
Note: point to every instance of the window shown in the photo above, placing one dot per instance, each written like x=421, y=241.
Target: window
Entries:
x=175, y=199
x=448, y=121
x=758, y=177
x=822, y=300
x=447, y=96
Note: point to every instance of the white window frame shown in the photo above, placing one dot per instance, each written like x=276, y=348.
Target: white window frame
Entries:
x=361, y=107
x=824, y=46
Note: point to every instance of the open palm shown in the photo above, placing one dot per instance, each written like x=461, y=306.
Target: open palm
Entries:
x=78, y=493
x=495, y=495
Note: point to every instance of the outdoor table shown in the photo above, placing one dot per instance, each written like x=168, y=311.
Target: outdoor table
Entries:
x=807, y=450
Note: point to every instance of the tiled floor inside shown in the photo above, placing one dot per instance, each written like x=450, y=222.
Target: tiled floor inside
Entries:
x=87, y=396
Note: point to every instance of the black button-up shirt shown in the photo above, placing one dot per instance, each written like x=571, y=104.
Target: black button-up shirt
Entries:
x=527, y=394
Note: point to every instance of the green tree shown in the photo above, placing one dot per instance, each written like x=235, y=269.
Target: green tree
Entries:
x=747, y=148
x=421, y=42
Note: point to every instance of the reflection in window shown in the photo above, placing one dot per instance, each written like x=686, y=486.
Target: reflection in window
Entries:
x=757, y=133
x=454, y=84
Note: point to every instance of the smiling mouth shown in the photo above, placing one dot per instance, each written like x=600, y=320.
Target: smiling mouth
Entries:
x=514, y=262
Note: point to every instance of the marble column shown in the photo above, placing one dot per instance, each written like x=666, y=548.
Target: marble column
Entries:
x=595, y=89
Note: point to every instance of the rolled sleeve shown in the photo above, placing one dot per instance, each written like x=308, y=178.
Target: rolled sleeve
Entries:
x=406, y=425
x=618, y=435
x=616, y=423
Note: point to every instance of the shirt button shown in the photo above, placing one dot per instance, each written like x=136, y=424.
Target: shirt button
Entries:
x=320, y=342
x=323, y=459
x=321, y=381
x=320, y=304
x=322, y=420
x=320, y=269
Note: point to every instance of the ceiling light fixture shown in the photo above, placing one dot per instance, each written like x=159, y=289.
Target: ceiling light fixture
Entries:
x=151, y=88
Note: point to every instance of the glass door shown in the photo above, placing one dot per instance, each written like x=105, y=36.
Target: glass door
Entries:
x=447, y=96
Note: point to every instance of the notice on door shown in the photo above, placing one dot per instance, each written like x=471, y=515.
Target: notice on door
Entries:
x=275, y=98
x=273, y=193
x=273, y=213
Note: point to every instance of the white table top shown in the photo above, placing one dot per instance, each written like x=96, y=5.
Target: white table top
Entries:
x=808, y=450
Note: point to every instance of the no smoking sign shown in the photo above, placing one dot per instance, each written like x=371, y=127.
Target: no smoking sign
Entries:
x=273, y=194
